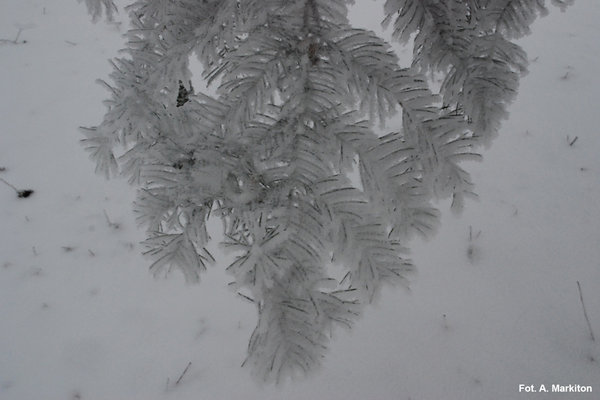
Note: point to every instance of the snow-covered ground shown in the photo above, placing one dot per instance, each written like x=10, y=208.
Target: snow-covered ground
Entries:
x=494, y=304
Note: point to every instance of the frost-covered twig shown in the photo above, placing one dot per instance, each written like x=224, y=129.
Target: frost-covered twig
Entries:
x=273, y=152
x=98, y=8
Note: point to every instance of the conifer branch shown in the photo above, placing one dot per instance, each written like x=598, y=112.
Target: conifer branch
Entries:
x=299, y=91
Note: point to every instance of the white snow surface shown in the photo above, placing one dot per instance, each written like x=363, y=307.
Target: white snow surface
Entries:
x=81, y=317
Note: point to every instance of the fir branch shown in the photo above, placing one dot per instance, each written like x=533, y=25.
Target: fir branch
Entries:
x=97, y=8
x=299, y=90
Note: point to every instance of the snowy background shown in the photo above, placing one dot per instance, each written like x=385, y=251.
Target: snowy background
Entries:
x=494, y=304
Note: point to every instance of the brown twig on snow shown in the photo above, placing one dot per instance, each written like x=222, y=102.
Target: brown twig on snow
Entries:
x=111, y=224
x=15, y=40
x=20, y=193
x=585, y=314
x=183, y=373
